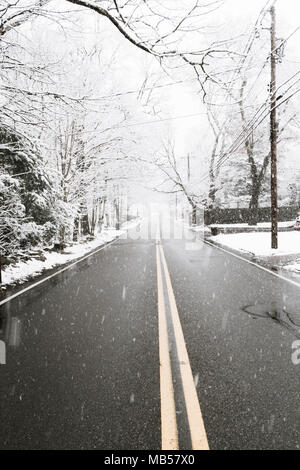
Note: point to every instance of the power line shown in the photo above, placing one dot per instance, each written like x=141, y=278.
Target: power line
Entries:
x=142, y=123
x=173, y=118
x=249, y=44
x=150, y=88
x=238, y=142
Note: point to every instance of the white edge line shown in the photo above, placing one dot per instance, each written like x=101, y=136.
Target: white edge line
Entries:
x=17, y=294
x=294, y=283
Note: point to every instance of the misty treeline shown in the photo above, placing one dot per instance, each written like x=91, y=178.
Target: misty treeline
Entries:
x=68, y=149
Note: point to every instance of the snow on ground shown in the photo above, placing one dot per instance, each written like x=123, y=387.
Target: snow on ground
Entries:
x=259, y=243
x=22, y=271
x=200, y=228
x=295, y=267
x=196, y=228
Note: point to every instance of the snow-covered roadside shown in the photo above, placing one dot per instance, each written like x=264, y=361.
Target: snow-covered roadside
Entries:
x=258, y=243
x=22, y=271
x=293, y=267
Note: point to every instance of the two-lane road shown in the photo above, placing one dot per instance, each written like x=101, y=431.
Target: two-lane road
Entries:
x=87, y=352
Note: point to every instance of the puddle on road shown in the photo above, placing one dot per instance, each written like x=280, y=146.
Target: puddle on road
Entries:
x=279, y=315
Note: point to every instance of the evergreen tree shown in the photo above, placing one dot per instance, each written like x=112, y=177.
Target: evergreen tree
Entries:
x=26, y=217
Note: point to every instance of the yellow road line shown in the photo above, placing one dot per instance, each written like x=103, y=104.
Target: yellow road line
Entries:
x=169, y=434
x=195, y=419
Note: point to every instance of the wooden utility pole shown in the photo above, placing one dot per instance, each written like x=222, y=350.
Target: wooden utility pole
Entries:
x=273, y=133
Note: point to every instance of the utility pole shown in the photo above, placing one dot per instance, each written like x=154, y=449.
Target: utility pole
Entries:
x=273, y=134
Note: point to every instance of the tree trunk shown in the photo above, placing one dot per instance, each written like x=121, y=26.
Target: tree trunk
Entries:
x=194, y=214
x=94, y=217
x=85, y=226
x=254, y=205
x=102, y=207
x=61, y=245
x=117, y=209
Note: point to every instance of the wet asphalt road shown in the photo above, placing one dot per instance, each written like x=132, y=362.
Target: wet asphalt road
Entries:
x=82, y=366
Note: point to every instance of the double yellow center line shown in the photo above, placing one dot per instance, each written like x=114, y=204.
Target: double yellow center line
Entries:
x=169, y=429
